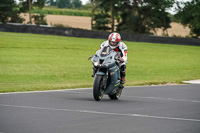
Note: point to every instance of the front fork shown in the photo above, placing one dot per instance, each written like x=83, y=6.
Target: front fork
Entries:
x=104, y=74
x=105, y=79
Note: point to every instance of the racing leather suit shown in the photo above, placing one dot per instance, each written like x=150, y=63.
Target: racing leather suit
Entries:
x=122, y=49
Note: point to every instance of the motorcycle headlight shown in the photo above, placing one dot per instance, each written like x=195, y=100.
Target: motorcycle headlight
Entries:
x=96, y=63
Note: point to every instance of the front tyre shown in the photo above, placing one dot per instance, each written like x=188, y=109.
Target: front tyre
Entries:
x=116, y=95
x=98, y=87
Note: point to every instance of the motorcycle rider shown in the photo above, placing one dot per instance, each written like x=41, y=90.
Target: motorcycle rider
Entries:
x=114, y=41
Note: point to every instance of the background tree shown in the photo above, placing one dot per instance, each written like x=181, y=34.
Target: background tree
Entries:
x=87, y=6
x=111, y=7
x=189, y=15
x=76, y=3
x=50, y=2
x=63, y=4
x=158, y=16
x=102, y=21
x=34, y=3
x=141, y=16
x=28, y=5
x=40, y=19
x=9, y=12
x=95, y=4
x=137, y=16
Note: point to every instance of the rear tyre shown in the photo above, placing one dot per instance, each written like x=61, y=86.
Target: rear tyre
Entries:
x=98, y=88
x=116, y=95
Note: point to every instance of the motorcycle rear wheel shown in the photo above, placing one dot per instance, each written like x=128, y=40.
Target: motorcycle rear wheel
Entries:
x=116, y=95
x=98, y=87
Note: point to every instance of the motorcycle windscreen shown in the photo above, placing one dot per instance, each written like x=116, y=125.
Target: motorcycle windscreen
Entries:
x=106, y=51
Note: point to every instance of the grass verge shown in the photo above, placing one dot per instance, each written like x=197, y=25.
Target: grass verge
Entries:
x=30, y=62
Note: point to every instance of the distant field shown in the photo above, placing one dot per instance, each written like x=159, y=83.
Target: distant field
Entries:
x=85, y=23
x=177, y=30
x=68, y=21
x=42, y=62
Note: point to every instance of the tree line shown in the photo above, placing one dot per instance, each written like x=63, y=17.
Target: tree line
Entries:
x=129, y=16
x=65, y=3
x=143, y=16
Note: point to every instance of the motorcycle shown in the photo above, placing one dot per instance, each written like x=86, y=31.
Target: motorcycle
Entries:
x=107, y=76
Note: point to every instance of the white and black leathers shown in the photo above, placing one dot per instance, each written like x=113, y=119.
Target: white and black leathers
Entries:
x=121, y=48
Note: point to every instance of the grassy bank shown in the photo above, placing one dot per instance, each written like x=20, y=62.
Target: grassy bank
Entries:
x=41, y=62
x=57, y=11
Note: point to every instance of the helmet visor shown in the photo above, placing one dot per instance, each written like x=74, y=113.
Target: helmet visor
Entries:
x=113, y=43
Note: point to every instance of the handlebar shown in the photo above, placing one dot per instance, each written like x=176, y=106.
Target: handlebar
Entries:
x=91, y=57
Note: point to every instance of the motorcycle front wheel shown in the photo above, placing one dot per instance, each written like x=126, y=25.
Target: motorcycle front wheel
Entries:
x=98, y=87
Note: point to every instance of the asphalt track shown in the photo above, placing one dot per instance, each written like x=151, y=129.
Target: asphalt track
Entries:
x=152, y=109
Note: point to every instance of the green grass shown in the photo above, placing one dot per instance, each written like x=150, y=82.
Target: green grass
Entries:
x=57, y=11
x=42, y=62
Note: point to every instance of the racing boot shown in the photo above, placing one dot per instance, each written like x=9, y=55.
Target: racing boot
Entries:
x=123, y=80
x=123, y=74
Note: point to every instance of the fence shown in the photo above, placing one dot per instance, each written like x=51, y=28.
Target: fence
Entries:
x=72, y=32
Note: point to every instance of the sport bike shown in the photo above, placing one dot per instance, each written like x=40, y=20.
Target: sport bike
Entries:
x=107, y=76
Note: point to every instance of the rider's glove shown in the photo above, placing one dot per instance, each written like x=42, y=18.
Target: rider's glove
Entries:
x=121, y=60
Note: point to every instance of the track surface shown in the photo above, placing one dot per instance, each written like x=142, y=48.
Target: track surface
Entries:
x=153, y=109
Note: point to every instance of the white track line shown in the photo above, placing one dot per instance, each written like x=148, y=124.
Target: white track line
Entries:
x=103, y=113
x=75, y=91
x=192, y=81
x=29, y=92
x=168, y=99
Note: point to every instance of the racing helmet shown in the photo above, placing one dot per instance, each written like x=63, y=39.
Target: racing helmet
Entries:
x=114, y=39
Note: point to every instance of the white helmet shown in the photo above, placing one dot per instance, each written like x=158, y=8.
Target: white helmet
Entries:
x=114, y=39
